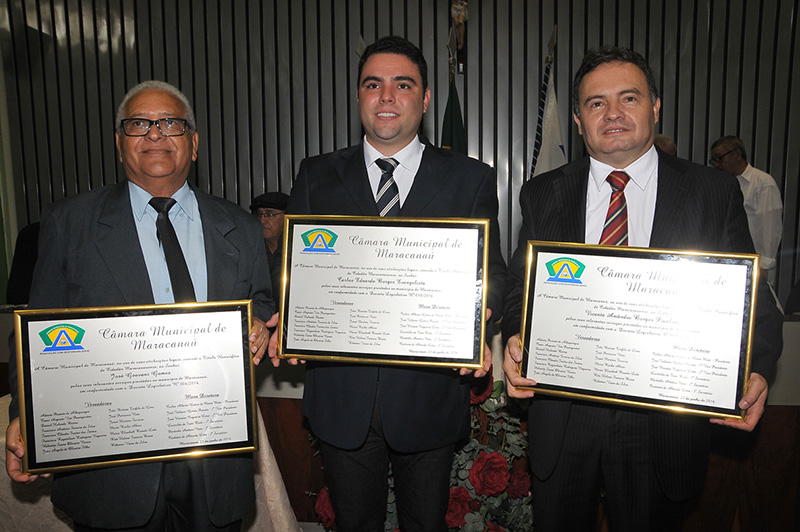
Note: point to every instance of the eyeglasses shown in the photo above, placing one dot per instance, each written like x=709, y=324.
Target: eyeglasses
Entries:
x=139, y=127
x=718, y=158
x=268, y=214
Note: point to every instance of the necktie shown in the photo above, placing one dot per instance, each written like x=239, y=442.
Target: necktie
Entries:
x=182, y=287
x=615, y=230
x=388, y=197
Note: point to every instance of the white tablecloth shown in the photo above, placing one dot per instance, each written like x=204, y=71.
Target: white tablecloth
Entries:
x=25, y=508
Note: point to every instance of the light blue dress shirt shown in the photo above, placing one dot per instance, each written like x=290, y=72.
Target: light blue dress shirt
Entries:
x=185, y=218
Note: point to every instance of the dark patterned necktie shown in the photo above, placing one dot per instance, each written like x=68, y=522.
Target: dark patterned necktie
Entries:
x=182, y=288
x=615, y=230
x=388, y=197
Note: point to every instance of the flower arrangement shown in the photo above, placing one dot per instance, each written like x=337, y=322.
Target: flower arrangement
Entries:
x=489, y=480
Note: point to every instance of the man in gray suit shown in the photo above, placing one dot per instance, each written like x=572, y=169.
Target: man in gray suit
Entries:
x=101, y=249
x=650, y=464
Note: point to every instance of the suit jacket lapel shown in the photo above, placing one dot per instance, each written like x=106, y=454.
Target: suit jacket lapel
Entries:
x=569, y=202
x=118, y=245
x=432, y=175
x=670, y=217
x=222, y=256
x=353, y=175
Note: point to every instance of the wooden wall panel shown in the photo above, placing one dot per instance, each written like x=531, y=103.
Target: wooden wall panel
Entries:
x=272, y=82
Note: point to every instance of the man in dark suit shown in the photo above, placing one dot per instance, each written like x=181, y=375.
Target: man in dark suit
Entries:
x=650, y=464
x=367, y=416
x=100, y=248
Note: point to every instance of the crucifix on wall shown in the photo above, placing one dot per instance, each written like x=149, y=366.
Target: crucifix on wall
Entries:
x=459, y=15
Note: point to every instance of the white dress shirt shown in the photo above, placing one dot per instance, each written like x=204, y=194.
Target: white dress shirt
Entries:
x=409, y=159
x=762, y=203
x=640, y=196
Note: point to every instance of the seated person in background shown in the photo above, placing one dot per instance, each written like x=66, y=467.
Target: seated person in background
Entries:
x=269, y=209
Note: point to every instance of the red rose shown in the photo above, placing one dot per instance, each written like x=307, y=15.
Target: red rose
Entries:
x=520, y=484
x=324, y=509
x=481, y=389
x=491, y=527
x=458, y=507
x=489, y=473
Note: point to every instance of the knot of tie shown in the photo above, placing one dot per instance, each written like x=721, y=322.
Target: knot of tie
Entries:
x=618, y=180
x=162, y=205
x=387, y=165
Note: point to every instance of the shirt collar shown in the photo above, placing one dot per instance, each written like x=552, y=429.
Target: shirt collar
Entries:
x=140, y=199
x=640, y=171
x=409, y=157
x=747, y=173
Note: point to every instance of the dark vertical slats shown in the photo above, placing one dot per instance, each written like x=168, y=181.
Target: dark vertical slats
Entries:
x=789, y=263
x=196, y=35
x=241, y=109
x=342, y=57
x=273, y=81
x=226, y=102
x=313, y=90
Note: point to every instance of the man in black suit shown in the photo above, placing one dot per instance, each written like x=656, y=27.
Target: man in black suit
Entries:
x=100, y=249
x=367, y=416
x=650, y=464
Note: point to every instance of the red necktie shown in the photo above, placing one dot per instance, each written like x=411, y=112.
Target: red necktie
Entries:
x=615, y=230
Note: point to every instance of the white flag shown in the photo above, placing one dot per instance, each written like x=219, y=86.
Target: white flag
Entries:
x=552, y=152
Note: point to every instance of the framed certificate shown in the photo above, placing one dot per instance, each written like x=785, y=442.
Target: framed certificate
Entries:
x=109, y=386
x=659, y=329
x=403, y=291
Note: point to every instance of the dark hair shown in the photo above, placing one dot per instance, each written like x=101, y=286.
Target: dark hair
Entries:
x=610, y=54
x=731, y=142
x=396, y=45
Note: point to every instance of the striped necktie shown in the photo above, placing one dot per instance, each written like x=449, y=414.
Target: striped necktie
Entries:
x=388, y=197
x=615, y=230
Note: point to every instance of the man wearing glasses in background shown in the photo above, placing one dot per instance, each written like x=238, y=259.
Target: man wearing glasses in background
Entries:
x=269, y=209
x=101, y=248
x=762, y=199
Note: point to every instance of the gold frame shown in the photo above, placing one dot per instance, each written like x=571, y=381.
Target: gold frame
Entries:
x=476, y=361
x=23, y=317
x=749, y=300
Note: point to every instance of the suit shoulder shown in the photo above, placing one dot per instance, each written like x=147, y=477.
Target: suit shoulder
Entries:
x=82, y=204
x=228, y=207
x=458, y=160
x=702, y=176
x=546, y=180
x=324, y=160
